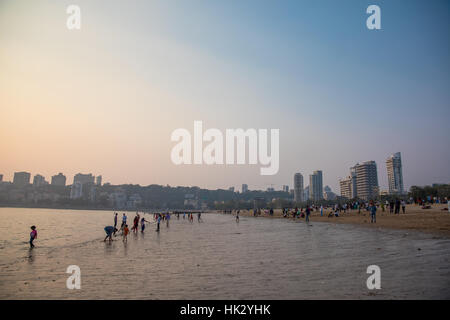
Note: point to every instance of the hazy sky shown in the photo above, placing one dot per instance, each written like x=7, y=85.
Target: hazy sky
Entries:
x=105, y=99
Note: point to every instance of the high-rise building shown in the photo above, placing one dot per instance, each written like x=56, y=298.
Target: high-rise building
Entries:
x=244, y=188
x=346, y=188
x=328, y=194
x=21, y=179
x=286, y=188
x=366, y=180
x=298, y=187
x=82, y=185
x=98, y=180
x=306, y=194
x=231, y=189
x=348, y=185
x=395, y=175
x=84, y=178
x=39, y=180
x=316, y=185
x=76, y=191
x=59, y=180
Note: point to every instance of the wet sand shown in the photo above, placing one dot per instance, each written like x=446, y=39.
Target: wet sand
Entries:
x=434, y=221
x=216, y=259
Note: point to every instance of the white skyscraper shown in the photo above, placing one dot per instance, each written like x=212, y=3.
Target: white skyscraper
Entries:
x=395, y=175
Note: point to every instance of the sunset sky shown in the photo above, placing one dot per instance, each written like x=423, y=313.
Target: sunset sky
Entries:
x=105, y=99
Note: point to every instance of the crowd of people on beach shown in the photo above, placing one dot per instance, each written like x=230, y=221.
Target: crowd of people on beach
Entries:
x=395, y=206
x=158, y=218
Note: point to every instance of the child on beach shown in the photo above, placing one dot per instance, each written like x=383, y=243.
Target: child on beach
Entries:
x=125, y=233
x=373, y=211
x=33, y=235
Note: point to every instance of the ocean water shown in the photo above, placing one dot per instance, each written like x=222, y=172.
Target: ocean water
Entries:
x=257, y=258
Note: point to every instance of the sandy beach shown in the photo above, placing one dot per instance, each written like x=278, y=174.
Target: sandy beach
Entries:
x=435, y=220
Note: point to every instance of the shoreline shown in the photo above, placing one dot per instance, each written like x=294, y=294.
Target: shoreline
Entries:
x=433, y=221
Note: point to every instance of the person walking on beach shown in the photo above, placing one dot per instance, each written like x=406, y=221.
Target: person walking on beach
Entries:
x=373, y=211
x=167, y=218
x=109, y=232
x=403, y=206
x=125, y=233
x=135, y=223
x=33, y=235
x=237, y=216
x=199, y=217
x=321, y=211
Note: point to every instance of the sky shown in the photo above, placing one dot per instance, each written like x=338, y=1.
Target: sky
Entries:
x=105, y=99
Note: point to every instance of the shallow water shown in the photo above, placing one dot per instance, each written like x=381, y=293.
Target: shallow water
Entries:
x=257, y=258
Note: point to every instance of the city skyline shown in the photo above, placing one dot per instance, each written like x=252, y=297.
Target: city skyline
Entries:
x=82, y=101
x=347, y=187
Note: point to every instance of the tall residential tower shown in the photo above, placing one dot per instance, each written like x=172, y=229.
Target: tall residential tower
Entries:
x=298, y=187
x=394, y=171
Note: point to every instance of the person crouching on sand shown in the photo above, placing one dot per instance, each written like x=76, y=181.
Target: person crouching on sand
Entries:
x=33, y=235
x=109, y=232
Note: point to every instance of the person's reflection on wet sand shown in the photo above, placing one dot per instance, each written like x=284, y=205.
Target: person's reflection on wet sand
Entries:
x=31, y=256
x=125, y=248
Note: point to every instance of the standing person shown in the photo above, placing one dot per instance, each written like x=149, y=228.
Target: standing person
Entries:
x=135, y=223
x=391, y=206
x=308, y=212
x=158, y=221
x=199, y=217
x=33, y=235
x=373, y=211
x=321, y=210
x=109, y=232
x=124, y=220
x=403, y=206
x=184, y=215
x=397, y=206
x=237, y=216
x=115, y=219
x=143, y=221
x=167, y=218
x=125, y=233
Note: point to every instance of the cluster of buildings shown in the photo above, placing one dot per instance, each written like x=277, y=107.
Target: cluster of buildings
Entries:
x=81, y=182
x=314, y=191
x=85, y=187
x=362, y=182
